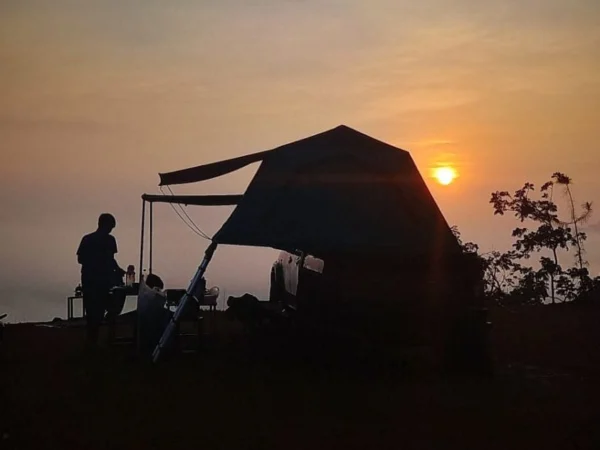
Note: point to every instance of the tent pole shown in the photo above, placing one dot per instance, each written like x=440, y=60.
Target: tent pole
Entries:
x=142, y=239
x=191, y=294
x=151, y=235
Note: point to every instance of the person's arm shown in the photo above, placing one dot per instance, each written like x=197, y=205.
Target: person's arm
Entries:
x=116, y=266
x=81, y=250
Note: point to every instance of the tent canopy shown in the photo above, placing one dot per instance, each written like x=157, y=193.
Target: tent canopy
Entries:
x=200, y=200
x=337, y=191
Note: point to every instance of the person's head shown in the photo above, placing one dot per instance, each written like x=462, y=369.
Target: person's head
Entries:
x=106, y=222
x=154, y=281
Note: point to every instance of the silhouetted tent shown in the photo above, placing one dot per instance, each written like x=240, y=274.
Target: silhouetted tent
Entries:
x=338, y=190
x=340, y=194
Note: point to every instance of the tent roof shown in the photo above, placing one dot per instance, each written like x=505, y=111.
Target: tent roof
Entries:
x=339, y=190
x=328, y=143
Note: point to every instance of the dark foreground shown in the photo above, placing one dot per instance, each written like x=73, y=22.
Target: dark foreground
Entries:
x=545, y=395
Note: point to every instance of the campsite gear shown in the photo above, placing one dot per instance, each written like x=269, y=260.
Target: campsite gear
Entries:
x=196, y=288
x=70, y=300
x=248, y=310
x=116, y=301
x=174, y=296
x=210, y=298
x=130, y=275
x=114, y=310
x=192, y=315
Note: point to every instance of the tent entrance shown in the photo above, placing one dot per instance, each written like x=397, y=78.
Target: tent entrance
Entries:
x=195, y=290
x=197, y=200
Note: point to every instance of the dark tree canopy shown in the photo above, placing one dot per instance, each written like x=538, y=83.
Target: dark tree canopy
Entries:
x=535, y=270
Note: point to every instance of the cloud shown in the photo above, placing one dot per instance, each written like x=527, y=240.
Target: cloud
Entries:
x=433, y=143
x=14, y=122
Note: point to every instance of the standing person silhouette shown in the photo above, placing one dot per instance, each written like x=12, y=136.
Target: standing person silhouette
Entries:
x=99, y=273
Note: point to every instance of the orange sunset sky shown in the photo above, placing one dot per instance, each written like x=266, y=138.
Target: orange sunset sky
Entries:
x=97, y=97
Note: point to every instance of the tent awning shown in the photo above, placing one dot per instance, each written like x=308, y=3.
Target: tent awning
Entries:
x=208, y=171
x=201, y=200
x=339, y=190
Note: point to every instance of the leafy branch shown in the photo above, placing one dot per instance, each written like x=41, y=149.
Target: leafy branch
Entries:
x=542, y=239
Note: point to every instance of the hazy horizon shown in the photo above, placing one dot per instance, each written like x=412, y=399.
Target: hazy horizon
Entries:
x=99, y=97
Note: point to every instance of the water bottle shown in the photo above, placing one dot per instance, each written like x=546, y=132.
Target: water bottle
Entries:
x=130, y=275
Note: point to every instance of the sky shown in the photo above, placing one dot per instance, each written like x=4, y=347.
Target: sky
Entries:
x=98, y=97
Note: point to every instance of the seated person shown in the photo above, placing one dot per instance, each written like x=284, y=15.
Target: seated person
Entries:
x=152, y=317
x=154, y=281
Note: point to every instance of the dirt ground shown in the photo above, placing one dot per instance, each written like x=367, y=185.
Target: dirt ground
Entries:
x=545, y=394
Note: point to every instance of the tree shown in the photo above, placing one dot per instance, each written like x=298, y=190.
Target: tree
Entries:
x=550, y=235
x=575, y=220
x=508, y=278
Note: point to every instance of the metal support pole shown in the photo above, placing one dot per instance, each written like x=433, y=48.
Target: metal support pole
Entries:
x=151, y=235
x=142, y=240
x=190, y=294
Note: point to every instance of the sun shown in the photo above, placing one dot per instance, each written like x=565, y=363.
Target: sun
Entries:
x=445, y=175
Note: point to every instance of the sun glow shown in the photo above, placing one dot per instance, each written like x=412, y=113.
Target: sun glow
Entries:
x=445, y=175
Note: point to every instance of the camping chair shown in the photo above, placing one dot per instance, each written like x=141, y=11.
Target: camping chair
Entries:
x=210, y=299
x=191, y=318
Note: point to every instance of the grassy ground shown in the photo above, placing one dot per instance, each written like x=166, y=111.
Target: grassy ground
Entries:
x=546, y=395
